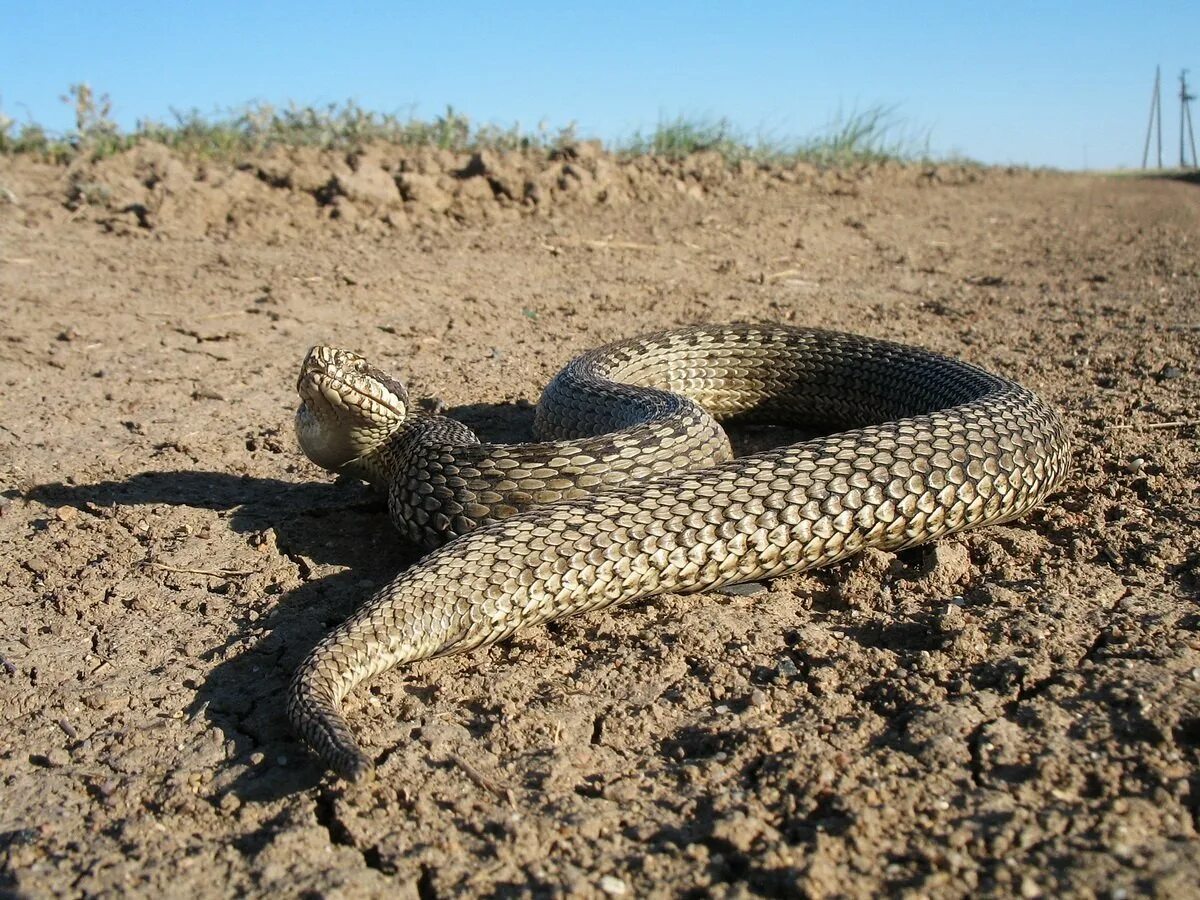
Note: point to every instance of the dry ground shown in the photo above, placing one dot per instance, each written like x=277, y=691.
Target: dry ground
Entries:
x=1016, y=711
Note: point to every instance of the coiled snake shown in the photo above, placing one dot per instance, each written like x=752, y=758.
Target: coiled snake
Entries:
x=643, y=495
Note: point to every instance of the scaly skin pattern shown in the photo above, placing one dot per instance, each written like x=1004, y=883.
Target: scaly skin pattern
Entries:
x=958, y=448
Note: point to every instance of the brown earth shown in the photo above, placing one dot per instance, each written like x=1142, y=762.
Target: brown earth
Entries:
x=1012, y=712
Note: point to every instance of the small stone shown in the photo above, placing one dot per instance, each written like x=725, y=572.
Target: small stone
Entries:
x=613, y=886
x=229, y=803
x=1135, y=465
x=66, y=514
x=786, y=668
x=759, y=698
x=58, y=757
x=1169, y=373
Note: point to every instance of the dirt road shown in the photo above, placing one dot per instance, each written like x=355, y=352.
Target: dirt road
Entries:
x=1014, y=712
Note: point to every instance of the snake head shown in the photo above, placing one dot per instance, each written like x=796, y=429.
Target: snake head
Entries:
x=348, y=408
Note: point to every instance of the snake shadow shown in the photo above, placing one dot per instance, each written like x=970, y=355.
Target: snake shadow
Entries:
x=316, y=523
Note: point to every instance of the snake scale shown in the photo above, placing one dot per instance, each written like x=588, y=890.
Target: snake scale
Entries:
x=633, y=490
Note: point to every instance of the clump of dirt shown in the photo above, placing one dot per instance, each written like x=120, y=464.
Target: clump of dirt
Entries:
x=1014, y=711
x=381, y=188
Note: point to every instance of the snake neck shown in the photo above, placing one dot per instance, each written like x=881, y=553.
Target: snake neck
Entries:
x=420, y=436
x=407, y=466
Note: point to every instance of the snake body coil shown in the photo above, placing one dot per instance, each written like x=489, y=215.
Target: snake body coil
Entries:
x=642, y=495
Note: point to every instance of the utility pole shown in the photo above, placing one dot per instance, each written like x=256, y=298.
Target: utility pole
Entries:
x=1185, y=121
x=1155, y=116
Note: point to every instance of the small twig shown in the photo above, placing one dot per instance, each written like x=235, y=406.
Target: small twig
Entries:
x=620, y=245
x=786, y=273
x=1155, y=426
x=482, y=781
x=222, y=573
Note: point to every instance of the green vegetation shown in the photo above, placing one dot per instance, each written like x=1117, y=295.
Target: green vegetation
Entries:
x=260, y=126
x=870, y=135
x=680, y=137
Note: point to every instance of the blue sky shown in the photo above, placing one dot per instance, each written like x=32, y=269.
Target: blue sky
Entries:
x=1058, y=84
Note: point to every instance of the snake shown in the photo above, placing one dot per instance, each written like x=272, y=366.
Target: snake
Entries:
x=631, y=488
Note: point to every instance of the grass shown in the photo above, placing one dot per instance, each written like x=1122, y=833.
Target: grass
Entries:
x=260, y=126
x=681, y=136
x=871, y=135
x=874, y=134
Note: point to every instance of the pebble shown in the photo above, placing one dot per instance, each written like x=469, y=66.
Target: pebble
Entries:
x=58, y=757
x=613, y=886
x=787, y=668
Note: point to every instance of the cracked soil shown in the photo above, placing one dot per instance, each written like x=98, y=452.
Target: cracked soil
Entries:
x=1012, y=712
